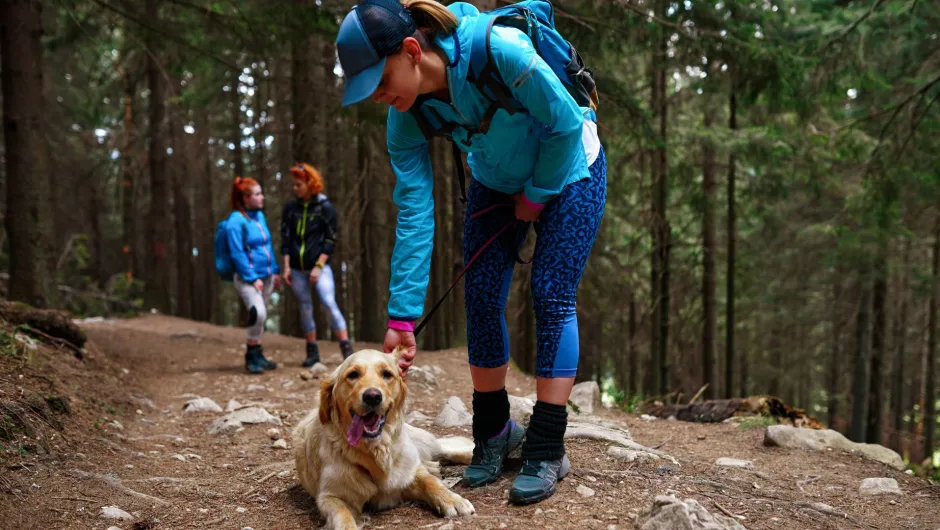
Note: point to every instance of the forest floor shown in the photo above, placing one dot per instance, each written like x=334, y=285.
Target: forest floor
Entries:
x=127, y=442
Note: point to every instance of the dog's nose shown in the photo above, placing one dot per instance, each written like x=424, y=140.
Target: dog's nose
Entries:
x=372, y=397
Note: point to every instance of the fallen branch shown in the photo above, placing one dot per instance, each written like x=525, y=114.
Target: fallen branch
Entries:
x=664, y=442
x=726, y=512
x=825, y=509
x=698, y=394
x=79, y=499
x=266, y=477
x=115, y=483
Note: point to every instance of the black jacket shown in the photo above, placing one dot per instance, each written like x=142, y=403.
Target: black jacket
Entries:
x=308, y=229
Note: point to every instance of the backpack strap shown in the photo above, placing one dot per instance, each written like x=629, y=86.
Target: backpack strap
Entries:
x=483, y=72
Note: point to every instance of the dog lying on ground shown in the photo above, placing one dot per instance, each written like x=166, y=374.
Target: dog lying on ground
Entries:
x=357, y=450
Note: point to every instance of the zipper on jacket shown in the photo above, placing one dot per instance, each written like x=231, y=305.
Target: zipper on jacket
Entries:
x=303, y=230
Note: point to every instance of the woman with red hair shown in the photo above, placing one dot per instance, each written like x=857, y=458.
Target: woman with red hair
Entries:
x=308, y=236
x=256, y=270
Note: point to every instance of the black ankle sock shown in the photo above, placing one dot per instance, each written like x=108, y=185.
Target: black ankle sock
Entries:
x=545, y=437
x=490, y=413
x=313, y=350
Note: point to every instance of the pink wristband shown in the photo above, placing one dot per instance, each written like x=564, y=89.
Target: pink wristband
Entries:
x=401, y=325
x=533, y=205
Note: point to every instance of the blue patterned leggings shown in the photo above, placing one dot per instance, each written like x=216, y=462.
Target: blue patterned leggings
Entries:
x=565, y=233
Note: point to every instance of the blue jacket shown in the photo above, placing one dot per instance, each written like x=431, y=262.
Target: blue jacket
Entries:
x=537, y=152
x=249, y=243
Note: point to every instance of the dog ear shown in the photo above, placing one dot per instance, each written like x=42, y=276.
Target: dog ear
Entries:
x=326, y=400
x=396, y=353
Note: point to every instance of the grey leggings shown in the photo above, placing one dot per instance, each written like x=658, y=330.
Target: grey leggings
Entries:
x=326, y=288
x=257, y=304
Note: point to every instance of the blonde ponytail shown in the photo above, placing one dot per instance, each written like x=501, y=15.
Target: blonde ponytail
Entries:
x=431, y=17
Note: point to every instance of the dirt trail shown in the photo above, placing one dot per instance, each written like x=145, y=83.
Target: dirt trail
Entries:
x=165, y=468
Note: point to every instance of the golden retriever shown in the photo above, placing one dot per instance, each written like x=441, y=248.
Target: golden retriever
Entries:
x=357, y=450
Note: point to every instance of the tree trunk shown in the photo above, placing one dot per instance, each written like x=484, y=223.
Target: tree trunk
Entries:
x=898, y=388
x=235, y=113
x=631, y=341
x=875, y=389
x=157, y=293
x=732, y=237
x=665, y=230
x=857, y=431
x=709, y=375
x=203, y=303
x=834, y=389
x=930, y=401
x=129, y=212
x=28, y=218
x=182, y=220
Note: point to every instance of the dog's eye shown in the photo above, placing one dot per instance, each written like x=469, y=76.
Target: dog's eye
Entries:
x=387, y=374
x=352, y=375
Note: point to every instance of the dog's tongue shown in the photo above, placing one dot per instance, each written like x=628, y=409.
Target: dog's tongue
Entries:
x=354, y=434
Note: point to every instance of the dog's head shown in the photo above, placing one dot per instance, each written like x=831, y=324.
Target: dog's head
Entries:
x=363, y=394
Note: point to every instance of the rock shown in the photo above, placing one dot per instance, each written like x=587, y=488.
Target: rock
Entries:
x=539, y=511
x=306, y=375
x=820, y=440
x=420, y=377
x=416, y=417
x=241, y=510
x=733, y=462
x=668, y=513
x=909, y=472
x=233, y=421
x=446, y=526
x=318, y=370
x=584, y=397
x=630, y=455
x=202, y=404
x=256, y=388
x=453, y=414
x=113, y=512
x=142, y=401
x=280, y=444
x=520, y=409
x=647, y=417
x=879, y=486
x=114, y=528
x=584, y=491
x=610, y=433
x=274, y=433
x=181, y=458
x=117, y=425
x=232, y=405
x=284, y=474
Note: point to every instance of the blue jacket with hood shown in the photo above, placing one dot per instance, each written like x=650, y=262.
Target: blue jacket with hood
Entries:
x=249, y=243
x=537, y=152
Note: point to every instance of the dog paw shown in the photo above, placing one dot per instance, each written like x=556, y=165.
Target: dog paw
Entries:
x=460, y=506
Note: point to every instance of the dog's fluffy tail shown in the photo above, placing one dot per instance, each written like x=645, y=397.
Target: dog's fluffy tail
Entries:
x=453, y=449
x=456, y=449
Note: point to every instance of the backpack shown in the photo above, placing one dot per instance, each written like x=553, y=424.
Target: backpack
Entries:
x=224, y=265
x=535, y=18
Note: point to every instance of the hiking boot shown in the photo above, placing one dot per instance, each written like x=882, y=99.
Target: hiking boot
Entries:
x=537, y=480
x=489, y=455
x=313, y=355
x=263, y=361
x=251, y=360
x=345, y=347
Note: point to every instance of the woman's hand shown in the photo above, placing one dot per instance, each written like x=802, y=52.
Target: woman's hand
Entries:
x=286, y=275
x=259, y=285
x=315, y=275
x=277, y=282
x=409, y=348
x=525, y=209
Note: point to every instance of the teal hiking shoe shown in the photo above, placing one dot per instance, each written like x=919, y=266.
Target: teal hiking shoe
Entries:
x=489, y=455
x=537, y=480
x=263, y=361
